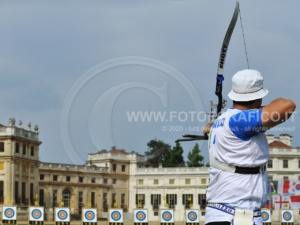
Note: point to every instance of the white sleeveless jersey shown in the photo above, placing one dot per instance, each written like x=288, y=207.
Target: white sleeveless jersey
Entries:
x=237, y=142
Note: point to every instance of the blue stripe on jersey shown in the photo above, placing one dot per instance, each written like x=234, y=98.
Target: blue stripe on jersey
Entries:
x=246, y=124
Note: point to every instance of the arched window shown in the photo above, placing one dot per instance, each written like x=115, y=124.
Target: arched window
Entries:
x=66, y=197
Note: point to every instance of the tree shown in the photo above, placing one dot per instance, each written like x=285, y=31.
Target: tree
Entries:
x=194, y=157
x=176, y=158
x=158, y=153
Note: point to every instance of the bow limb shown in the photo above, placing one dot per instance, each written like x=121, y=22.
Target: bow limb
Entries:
x=222, y=58
x=220, y=73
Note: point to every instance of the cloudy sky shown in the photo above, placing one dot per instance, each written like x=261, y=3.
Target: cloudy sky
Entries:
x=97, y=74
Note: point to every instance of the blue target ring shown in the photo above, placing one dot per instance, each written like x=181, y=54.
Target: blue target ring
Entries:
x=192, y=216
x=62, y=214
x=265, y=216
x=89, y=215
x=287, y=216
x=9, y=213
x=36, y=214
x=167, y=216
x=115, y=215
x=140, y=215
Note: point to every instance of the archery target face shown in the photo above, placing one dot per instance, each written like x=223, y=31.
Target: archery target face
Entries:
x=116, y=215
x=36, y=214
x=287, y=216
x=89, y=215
x=9, y=213
x=140, y=216
x=62, y=214
x=167, y=216
x=192, y=216
x=266, y=216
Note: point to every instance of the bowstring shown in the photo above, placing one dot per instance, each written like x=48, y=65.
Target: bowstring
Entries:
x=244, y=39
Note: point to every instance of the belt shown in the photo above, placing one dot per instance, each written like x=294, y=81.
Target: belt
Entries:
x=235, y=169
x=250, y=170
x=229, y=209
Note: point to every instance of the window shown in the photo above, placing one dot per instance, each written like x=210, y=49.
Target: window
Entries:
x=270, y=178
x=31, y=194
x=187, y=200
x=17, y=192
x=24, y=149
x=17, y=148
x=155, y=201
x=114, y=167
x=80, y=179
x=68, y=178
x=285, y=178
x=155, y=182
x=42, y=176
x=93, y=199
x=54, y=198
x=66, y=196
x=203, y=181
x=80, y=200
x=105, y=181
x=93, y=180
x=123, y=168
x=24, y=193
x=171, y=200
x=187, y=181
x=104, y=202
x=1, y=190
x=123, y=201
x=141, y=182
x=202, y=200
x=113, y=200
x=114, y=181
x=41, y=197
x=285, y=163
x=140, y=200
x=55, y=177
x=298, y=163
x=1, y=146
x=270, y=163
x=32, y=151
x=171, y=181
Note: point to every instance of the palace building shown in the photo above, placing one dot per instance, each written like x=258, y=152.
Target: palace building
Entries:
x=113, y=178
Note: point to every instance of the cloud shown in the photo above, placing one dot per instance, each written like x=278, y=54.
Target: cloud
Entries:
x=47, y=46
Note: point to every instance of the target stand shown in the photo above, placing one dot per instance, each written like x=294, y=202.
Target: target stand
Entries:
x=266, y=216
x=287, y=217
x=36, y=215
x=115, y=217
x=9, y=215
x=140, y=216
x=62, y=216
x=167, y=217
x=89, y=216
x=192, y=217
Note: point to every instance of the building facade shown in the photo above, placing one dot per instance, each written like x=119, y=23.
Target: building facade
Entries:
x=19, y=164
x=113, y=179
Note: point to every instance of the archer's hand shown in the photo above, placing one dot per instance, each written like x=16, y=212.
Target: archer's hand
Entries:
x=207, y=128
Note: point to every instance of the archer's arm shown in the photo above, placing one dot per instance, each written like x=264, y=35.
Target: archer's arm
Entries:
x=278, y=111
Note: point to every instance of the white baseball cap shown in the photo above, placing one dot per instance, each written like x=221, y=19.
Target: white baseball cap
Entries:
x=247, y=85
